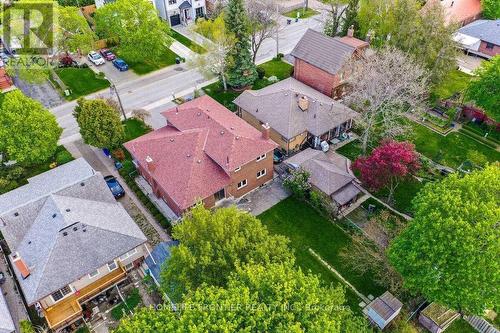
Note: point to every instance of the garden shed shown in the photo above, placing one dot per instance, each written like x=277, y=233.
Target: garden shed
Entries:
x=383, y=309
x=436, y=318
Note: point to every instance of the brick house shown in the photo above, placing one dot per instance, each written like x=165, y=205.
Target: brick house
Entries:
x=481, y=37
x=205, y=152
x=321, y=61
x=297, y=114
x=70, y=241
x=459, y=12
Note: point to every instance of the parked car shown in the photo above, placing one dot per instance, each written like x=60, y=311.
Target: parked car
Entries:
x=278, y=156
x=95, y=58
x=107, y=54
x=120, y=64
x=114, y=186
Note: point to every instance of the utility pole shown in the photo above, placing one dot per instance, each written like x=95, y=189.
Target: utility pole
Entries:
x=112, y=87
x=277, y=31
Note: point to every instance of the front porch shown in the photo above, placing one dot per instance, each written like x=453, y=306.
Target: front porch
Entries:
x=70, y=310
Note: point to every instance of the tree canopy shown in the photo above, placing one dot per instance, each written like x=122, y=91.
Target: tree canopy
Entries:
x=491, y=9
x=484, y=89
x=99, y=122
x=28, y=132
x=213, y=244
x=449, y=252
x=272, y=298
x=137, y=27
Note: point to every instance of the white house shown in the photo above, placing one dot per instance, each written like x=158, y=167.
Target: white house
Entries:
x=180, y=11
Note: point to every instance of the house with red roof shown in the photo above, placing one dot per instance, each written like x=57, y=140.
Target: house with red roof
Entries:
x=205, y=152
x=459, y=12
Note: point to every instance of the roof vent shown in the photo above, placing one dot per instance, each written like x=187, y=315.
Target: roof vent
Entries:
x=237, y=137
x=188, y=155
x=65, y=233
x=198, y=114
x=172, y=140
x=16, y=214
x=54, y=215
x=84, y=230
x=232, y=128
x=68, y=210
x=149, y=159
x=221, y=132
x=29, y=242
x=82, y=184
x=256, y=110
x=199, y=161
x=75, y=228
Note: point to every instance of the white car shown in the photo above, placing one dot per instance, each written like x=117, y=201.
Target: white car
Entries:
x=96, y=58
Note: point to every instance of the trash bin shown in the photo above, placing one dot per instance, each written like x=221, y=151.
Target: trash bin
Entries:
x=288, y=21
x=177, y=60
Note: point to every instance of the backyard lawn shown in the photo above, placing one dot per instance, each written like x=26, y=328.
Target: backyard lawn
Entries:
x=81, y=81
x=455, y=82
x=460, y=326
x=132, y=301
x=187, y=42
x=303, y=13
x=135, y=128
x=275, y=67
x=145, y=66
x=306, y=228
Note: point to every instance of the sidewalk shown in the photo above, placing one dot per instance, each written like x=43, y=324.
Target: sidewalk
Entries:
x=182, y=50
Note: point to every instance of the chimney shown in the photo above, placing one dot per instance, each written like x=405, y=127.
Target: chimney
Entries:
x=150, y=164
x=303, y=103
x=350, y=31
x=266, y=129
x=21, y=265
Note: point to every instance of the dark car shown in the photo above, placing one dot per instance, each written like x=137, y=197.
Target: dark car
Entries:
x=114, y=186
x=278, y=156
x=107, y=54
x=120, y=64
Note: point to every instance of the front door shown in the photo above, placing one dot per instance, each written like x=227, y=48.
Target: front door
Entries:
x=220, y=195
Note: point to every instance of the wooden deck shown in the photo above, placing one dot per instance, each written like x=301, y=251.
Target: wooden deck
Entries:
x=69, y=309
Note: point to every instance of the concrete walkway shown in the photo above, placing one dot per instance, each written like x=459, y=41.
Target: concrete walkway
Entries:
x=182, y=50
x=263, y=198
x=189, y=33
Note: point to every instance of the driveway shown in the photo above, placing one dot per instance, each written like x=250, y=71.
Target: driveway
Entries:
x=44, y=92
x=113, y=74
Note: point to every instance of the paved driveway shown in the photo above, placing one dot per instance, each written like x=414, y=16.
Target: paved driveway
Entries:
x=114, y=74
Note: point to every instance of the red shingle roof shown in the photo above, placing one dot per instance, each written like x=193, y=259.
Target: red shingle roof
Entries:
x=194, y=154
x=354, y=42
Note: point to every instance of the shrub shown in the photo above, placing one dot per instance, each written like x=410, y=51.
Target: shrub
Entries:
x=298, y=183
x=280, y=55
x=63, y=156
x=14, y=172
x=118, y=154
x=261, y=72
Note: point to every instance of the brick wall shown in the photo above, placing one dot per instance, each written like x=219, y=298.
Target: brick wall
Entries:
x=315, y=77
x=491, y=52
x=249, y=172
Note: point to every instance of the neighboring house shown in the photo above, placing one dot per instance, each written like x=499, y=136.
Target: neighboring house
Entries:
x=180, y=11
x=6, y=83
x=205, y=153
x=459, y=12
x=6, y=322
x=297, y=114
x=481, y=37
x=383, y=309
x=436, y=318
x=155, y=261
x=322, y=62
x=69, y=240
x=330, y=173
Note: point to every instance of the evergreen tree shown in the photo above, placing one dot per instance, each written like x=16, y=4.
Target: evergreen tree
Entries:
x=350, y=18
x=243, y=71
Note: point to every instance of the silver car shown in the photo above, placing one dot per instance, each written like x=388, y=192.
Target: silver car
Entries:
x=95, y=58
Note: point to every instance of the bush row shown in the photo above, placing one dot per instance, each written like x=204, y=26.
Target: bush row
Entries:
x=158, y=216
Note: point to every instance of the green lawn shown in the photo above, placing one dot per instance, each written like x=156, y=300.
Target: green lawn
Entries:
x=306, y=228
x=403, y=195
x=455, y=82
x=303, y=13
x=351, y=150
x=275, y=67
x=460, y=326
x=81, y=81
x=187, y=42
x=132, y=301
x=145, y=66
x=135, y=128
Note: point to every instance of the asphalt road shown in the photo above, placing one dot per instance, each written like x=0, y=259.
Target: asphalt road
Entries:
x=154, y=91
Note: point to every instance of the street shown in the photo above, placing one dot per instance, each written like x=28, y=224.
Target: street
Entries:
x=153, y=92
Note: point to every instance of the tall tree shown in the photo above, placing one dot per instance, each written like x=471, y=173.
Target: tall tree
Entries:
x=335, y=16
x=491, y=9
x=350, y=18
x=263, y=18
x=99, y=122
x=449, y=252
x=74, y=32
x=388, y=165
x=213, y=244
x=484, y=89
x=217, y=59
x=243, y=71
x=384, y=88
x=272, y=298
x=28, y=132
x=120, y=19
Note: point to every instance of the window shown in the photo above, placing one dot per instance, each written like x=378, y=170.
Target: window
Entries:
x=199, y=11
x=172, y=2
x=61, y=293
x=112, y=266
x=261, y=157
x=490, y=45
x=128, y=254
x=261, y=173
x=94, y=274
x=242, y=184
x=237, y=169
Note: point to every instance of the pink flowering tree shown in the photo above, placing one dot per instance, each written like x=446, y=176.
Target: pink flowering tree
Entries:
x=388, y=165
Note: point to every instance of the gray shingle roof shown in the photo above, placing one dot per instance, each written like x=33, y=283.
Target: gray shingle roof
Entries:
x=386, y=305
x=277, y=105
x=330, y=173
x=485, y=30
x=6, y=323
x=327, y=53
x=67, y=231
